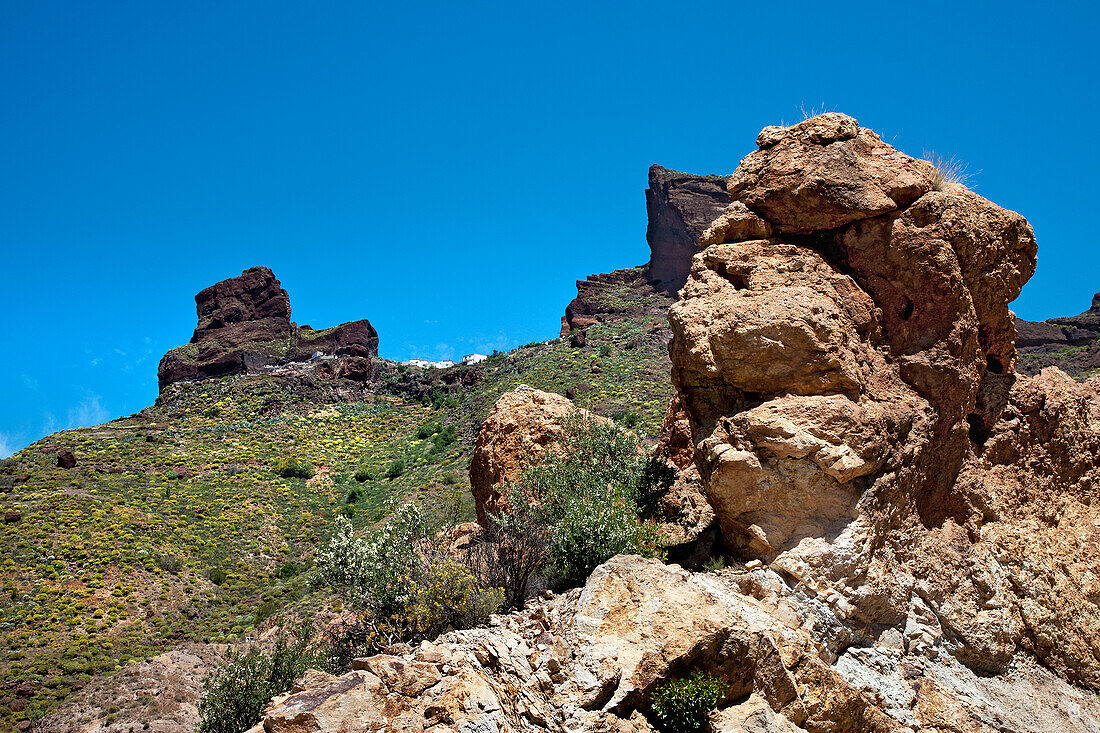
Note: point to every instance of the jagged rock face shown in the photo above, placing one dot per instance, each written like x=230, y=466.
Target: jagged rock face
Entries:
x=590, y=659
x=522, y=427
x=680, y=207
x=244, y=325
x=255, y=299
x=857, y=420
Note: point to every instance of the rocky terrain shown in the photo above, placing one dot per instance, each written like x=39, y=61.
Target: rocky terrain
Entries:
x=913, y=520
x=893, y=491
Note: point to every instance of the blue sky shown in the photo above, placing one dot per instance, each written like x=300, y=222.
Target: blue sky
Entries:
x=449, y=170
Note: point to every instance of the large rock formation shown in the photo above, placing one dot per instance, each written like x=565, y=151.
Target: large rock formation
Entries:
x=244, y=325
x=522, y=427
x=916, y=523
x=614, y=296
x=858, y=422
x=680, y=207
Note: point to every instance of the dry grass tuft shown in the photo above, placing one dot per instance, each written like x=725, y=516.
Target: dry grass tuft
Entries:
x=949, y=171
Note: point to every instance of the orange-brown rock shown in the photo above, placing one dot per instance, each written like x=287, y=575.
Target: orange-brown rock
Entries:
x=825, y=172
x=522, y=426
x=857, y=420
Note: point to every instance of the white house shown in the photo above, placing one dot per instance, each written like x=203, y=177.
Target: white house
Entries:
x=473, y=358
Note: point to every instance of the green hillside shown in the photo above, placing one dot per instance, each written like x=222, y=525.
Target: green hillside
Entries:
x=176, y=524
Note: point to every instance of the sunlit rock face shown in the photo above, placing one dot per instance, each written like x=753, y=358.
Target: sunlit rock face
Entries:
x=858, y=422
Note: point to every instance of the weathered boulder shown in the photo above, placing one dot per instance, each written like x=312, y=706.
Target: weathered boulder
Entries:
x=522, y=427
x=857, y=419
x=66, y=459
x=244, y=325
x=680, y=207
x=825, y=172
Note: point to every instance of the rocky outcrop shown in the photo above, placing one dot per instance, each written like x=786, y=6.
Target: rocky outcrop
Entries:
x=522, y=427
x=680, y=207
x=859, y=424
x=611, y=297
x=244, y=325
x=1071, y=343
x=589, y=660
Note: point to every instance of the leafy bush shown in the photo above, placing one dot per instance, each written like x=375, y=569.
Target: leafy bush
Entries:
x=235, y=695
x=575, y=510
x=216, y=575
x=291, y=467
x=395, y=468
x=684, y=705
x=403, y=581
x=364, y=473
x=605, y=350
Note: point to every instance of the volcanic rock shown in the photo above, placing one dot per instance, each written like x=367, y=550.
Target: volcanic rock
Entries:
x=244, y=325
x=680, y=207
x=66, y=459
x=857, y=419
x=522, y=427
x=826, y=172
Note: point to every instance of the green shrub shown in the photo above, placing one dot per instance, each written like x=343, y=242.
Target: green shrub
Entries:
x=684, y=705
x=291, y=467
x=403, y=581
x=235, y=695
x=364, y=473
x=216, y=576
x=575, y=510
x=169, y=563
x=395, y=468
x=605, y=350
x=288, y=570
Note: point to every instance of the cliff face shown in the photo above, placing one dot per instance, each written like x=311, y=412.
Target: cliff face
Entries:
x=244, y=325
x=680, y=207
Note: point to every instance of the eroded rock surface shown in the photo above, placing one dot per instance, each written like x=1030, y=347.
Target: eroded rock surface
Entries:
x=858, y=422
x=522, y=427
x=590, y=659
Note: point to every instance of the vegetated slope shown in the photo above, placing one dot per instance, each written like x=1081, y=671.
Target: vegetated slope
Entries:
x=1071, y=343
x=174, y=525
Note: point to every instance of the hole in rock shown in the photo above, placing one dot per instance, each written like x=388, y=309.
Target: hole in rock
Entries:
x=993, y=365
x=737, y=279
x=906, y=310
x=978, y=432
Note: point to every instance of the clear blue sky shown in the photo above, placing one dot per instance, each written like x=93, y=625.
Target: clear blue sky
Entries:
x=447, y=170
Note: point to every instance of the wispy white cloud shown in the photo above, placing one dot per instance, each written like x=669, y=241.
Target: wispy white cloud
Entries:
x=7, y=445
x=29, y=382
x=88, y=412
